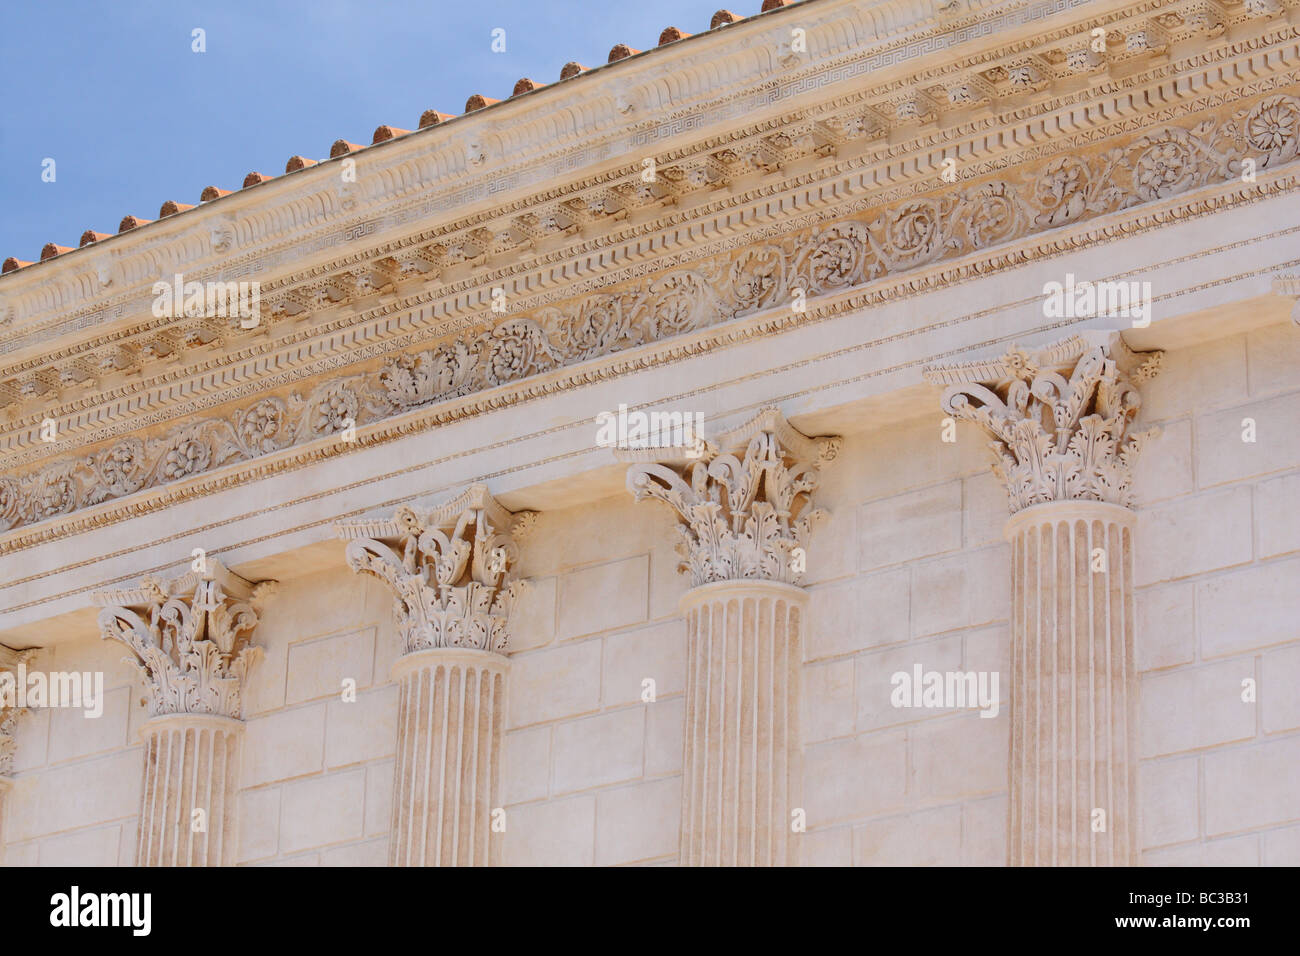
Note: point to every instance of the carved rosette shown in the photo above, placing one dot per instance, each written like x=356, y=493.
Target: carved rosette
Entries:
x=10, y=713
x=745, y=503
x=451, y=569
x=191, y=637
x=1060, y=418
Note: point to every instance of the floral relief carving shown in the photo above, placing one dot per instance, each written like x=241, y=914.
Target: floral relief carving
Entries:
x=260, y=427
x=452, y=569
x=412, y=380
x=846, y=254
x=746, y=504
x=1272, y=128
x=1060, y=420
x=190, y=637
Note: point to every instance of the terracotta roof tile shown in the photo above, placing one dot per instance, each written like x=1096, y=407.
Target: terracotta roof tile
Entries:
x=671, y=35
x=296, y=163
x=50, y=250
x=212, y=192
x=621, y=51
x=572, y=68
x=131, y=222
x=722, y=18
x=385, y=133
x=171, y=208
x=11, y=264
x=526, y=86
x=433, y=118
x=252, y=179
x=477, y=102
x=342, y=147
x=90, y=236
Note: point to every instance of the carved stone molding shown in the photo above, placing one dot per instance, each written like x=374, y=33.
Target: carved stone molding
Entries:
x=190, y=637
x=1060, y=418
x=418, y=179
x=10, y=712
x=744, y=502
x=451, y=569
x=819, y=260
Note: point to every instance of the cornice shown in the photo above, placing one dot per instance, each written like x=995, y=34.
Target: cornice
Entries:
x=231, y=237
x=734, y=219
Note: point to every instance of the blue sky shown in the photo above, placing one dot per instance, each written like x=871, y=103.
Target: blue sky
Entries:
x=112, y=91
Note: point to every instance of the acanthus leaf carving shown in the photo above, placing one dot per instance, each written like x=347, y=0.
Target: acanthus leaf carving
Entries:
x=745, y=505
x=452, y=569
x=1059, y=417
x=190, y=637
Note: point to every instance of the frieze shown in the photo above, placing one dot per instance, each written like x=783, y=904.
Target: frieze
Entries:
x=823, y=260
x=610, y=276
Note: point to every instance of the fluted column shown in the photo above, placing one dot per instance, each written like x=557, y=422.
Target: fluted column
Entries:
x=1060, y=420
x=452, y=573
x=191, y=641
x=10, y=713
x=191, y=763
x=451, y=712
x=745, y=520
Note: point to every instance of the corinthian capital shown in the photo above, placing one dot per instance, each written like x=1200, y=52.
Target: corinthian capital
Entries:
x=451, y=569
x=10, y=674
x=744, y=503
x=191, y=637
x=1060, y=417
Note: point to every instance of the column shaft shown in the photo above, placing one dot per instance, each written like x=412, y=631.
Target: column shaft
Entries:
x=191, y=763
x=742, y=772
x=6, y=784
x=1073, y=699
x=451, y=713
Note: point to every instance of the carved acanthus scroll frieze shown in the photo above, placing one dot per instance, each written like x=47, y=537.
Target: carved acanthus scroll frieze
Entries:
x=745, y=504
x=824, y=259
x=10, y=712
x=452, y=569
x=191, y=637
x=1060, y=418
